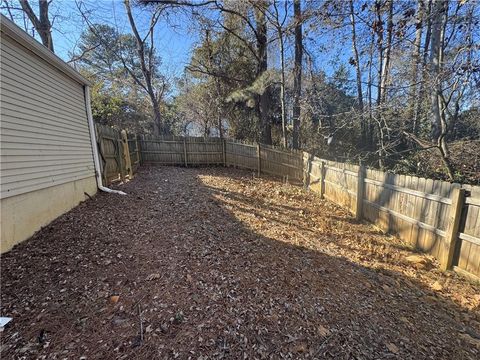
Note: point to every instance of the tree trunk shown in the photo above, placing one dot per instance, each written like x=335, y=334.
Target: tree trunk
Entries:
x=434, y=67
x=282, y=88
x=297, y=69
x=370, y=131
x=411, y=115
x=41, y=24
x=379, y=31
x=359, y=73
x=387, y=52
x=147, y=68
x=264, y=98
x=423, y=69
x=438, y=120
x=217, y=85
x=157, y=121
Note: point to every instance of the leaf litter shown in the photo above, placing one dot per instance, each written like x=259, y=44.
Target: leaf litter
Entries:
x=211, y=263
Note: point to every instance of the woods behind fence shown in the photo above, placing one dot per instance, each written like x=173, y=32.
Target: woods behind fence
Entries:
x=433, y=216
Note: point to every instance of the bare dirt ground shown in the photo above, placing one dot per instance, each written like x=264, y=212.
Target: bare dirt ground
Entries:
x=214, y=263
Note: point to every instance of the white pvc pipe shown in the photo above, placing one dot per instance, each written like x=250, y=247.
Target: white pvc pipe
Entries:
x=93, y=140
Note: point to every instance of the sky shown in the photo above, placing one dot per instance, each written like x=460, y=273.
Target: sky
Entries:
x=174, y=41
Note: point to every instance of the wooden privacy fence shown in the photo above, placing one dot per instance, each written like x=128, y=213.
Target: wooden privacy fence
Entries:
x=191, y=151
x=122, y=153
x=434, y=216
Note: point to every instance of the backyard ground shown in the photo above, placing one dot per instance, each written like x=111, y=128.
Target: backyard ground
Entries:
x=213, y=263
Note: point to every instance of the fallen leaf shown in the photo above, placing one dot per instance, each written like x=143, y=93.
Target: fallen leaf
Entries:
x=153, y=276
x=300, y=347
x=436, y=286
x=393, y=348
x=323, y=331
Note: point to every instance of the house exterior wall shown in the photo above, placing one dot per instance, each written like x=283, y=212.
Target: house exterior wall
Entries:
x=46, y=158
x=22, y=215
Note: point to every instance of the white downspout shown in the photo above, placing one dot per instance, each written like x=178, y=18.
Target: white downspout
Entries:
x=93, y=140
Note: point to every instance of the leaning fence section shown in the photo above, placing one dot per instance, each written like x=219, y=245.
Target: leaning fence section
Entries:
x=433, y=216
x=119, y=154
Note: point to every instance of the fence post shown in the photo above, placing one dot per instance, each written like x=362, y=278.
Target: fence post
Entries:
x=103, y=165
x=185, y=151
x=139, y=153
x=360, y=192
x=224, y=152
x=322, y=179
x=119, y=157
x=126, y=154
x=453, y=224
x=306, y=170
x=259, y=162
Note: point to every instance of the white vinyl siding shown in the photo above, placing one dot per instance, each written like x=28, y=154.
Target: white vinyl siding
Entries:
x=45, y=139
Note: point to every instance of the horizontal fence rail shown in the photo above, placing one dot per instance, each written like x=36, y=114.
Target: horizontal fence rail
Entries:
x=433, y=216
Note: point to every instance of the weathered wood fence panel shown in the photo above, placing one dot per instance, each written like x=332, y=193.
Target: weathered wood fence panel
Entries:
x=202, y=151
x=172, y=150
x=265, y=159
x=280, y=162
x=411, y=207
x=116, y=155
x=111, y=150
x=241, y=155
x=341, y=183
x=161, y=151
x=467, y=254
x=422, y=212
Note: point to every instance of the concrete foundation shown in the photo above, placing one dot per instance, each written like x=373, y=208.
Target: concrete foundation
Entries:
x=22, y=215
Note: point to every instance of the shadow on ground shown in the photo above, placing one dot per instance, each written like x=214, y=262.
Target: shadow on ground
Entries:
x=214, y=263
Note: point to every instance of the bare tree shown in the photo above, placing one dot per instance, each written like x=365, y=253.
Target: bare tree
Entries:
x=387, y=53
x=42, y=22
x=262, y=52
x=145, y=51
x=259, y=50
x=216, y=80
x=278, y=23
x=434, y=63
x=416, y=61
x=143, y=69
x=357, y=68
x=297, y=73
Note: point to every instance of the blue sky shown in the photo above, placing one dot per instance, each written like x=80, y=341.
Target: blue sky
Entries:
x=174, y=41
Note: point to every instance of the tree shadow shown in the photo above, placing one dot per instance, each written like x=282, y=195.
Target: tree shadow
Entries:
x=205, y=282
